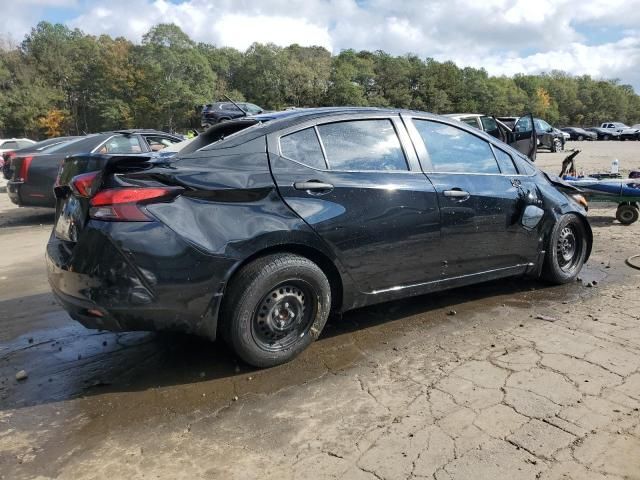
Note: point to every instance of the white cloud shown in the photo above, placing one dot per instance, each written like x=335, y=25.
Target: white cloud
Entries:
x=598, y=37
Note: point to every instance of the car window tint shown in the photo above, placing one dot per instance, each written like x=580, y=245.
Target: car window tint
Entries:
x=121, y=144
x=506, y=162
x=304, y=147
x=454, y=150
x=362, y=145
x=523, y=124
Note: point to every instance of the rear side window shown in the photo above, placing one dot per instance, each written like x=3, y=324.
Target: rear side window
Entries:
x=121, y=144
x=11, y=145
x=506, y=162
x=471, y=121
x=362, y=145
x=454, y=150
x=303, y=147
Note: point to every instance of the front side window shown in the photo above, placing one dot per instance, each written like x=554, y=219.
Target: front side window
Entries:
x=471, y=121
x=506, y=162
x=362, y=145
x=303, y=147
x=454, y=150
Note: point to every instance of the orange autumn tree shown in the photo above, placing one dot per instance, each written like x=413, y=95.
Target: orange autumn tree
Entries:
x=53, y=122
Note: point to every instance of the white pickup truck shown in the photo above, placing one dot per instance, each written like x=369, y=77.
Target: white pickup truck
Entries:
x=626, y=132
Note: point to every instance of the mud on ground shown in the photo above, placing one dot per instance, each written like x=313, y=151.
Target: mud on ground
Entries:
x=523, y=381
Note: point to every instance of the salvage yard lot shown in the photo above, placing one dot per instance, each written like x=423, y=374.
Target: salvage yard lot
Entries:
x=502, y=380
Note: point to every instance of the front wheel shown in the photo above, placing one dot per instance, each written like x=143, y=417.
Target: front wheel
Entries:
x=580, y=138
x=566, y=251
x=274, y=308
x=556, y=146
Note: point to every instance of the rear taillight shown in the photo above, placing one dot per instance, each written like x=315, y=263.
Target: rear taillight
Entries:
x=123, y=204
x=84, y=185
x=23, y=175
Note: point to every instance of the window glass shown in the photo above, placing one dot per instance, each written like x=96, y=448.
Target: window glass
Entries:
x=542, y=126
x=471, y=121
x=523, y=124
x=489, y=124
x=121, y=144
x=10, y=145
x=157, y=143
x=251, y=108
x=362, y=145
x=304, y=147
x=506, y=162
x=454, y=150
x=524, y=167
x=24, y=143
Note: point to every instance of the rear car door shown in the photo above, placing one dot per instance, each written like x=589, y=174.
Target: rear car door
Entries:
x=357, y=182
x=481, y=199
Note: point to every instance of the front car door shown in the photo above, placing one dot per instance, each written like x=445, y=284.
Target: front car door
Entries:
x=523, y=137
x=357, y=182
x=481, y=200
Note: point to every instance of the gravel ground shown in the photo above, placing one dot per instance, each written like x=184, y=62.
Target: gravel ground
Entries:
x=524, y=381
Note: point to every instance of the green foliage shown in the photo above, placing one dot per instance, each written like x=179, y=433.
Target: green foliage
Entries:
x=61, y=80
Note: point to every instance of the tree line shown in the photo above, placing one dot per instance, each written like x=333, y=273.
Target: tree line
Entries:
x=62, y=81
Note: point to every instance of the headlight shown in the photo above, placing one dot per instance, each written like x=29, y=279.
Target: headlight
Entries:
x=581, y=200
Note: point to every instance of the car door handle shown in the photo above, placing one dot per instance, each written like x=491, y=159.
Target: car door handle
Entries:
x=313, y=186
x=456, y=194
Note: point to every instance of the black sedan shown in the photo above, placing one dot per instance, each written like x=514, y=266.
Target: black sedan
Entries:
x=603, y=133
x=32, y=174
x=577, y=133
x=283, y=218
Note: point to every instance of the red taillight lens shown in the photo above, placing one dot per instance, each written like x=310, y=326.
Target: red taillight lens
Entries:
x=85, y=184
x=23, y=175
x=121, y=204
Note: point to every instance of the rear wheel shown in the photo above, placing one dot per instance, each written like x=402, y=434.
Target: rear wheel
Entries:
x=580, y=138
x=274, y=308
x=627, y=214
x=566, y=251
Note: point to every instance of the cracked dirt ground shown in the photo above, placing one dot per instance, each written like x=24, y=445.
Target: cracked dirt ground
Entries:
x=525, y=381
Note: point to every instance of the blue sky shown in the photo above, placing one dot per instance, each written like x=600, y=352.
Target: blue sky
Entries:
x=596, y=37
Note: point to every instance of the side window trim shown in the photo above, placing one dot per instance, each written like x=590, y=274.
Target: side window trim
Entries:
x=324, y=151
x=493, y=149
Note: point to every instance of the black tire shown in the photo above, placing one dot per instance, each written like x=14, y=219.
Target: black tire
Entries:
x=566, y=251
x=274, y=308
x=627, y=214
x=606, y=137
x=580, y=138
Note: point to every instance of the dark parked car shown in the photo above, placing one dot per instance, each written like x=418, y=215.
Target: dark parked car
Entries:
x=285, y=217
x=34, y=148
x=548, y=137
x=603, y=134
x=32, y=175
x=577, y=133
x=222, y=111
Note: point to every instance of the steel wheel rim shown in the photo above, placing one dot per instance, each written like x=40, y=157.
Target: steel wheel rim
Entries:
x=283, y=316
x=569, y=248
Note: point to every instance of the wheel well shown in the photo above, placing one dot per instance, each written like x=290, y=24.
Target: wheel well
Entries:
x=587, y=228
x=316, y=256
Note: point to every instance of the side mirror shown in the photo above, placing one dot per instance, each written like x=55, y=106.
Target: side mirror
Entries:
x=531, y=217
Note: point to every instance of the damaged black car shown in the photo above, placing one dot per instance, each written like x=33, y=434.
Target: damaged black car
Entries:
x=262, y=226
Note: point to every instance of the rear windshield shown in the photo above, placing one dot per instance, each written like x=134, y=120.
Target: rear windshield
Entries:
x=219, y=133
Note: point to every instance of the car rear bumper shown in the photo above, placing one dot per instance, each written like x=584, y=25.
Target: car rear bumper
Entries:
x=136, y=276
x=13, y=190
